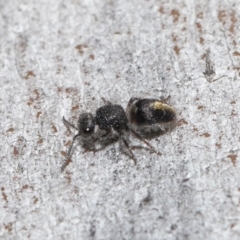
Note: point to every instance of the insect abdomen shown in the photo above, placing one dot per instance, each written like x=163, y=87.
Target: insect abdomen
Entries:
x=152, y=111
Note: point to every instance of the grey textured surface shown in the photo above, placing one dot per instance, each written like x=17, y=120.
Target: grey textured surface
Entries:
x=60, y=58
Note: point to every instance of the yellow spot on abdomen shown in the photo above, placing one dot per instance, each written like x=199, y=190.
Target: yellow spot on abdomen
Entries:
x=162, y=106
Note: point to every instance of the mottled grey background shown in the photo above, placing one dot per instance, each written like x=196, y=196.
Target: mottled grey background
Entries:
x=60, y=58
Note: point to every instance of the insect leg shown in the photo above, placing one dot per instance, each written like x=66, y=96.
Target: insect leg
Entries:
x=143, y=140
x=130, y=151
x=106, y=101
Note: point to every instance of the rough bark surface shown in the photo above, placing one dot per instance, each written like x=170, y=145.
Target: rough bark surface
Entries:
x=60, y=58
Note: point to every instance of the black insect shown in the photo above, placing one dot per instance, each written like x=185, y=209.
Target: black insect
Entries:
x=114, y=124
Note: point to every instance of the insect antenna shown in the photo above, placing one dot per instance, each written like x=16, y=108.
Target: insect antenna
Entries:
x=70, y=152
x=68, y=124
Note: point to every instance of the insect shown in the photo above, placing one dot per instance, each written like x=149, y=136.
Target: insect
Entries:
x=114, y=124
